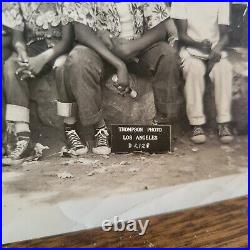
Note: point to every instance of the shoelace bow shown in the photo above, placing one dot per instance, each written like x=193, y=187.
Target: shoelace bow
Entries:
x=20, y=147
x=74, y=138
x=198, y=131
x=102, y=135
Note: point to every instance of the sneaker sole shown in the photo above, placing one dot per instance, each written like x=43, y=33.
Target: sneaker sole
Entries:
x=79, y=152
x=226, y=139
x=101, y=150
x=199, y=139
x=11, y=162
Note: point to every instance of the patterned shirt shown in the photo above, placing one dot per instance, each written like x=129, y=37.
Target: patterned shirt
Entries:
x=104, y=15
x=39, y=20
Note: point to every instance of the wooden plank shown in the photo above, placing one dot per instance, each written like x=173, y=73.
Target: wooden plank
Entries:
x=224, y=224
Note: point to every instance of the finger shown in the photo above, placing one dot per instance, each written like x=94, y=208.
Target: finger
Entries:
x=29, y=73
x=25, y=60
x=19, y=70
x=24, y=77
x=22, y=64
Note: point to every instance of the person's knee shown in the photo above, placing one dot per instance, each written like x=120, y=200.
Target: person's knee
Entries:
x=60, y=62
x=82, y=58
x=223, y=66
x=194, y=67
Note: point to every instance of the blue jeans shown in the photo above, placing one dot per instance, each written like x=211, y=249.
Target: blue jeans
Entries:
x=84, y=74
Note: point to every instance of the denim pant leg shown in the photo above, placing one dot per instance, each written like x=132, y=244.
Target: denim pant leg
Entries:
x=16, y=93
x=162, y=60
x=83, y=72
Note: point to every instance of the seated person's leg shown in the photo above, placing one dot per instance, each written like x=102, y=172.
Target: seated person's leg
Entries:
x=82, y=85
x=222, y=76
x=67, y=108
x=162, y=61
x=6, y=43
x=194, y=71
x=6, y=52
x=17, y=109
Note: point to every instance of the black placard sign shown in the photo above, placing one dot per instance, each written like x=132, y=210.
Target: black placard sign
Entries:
x=140, y=138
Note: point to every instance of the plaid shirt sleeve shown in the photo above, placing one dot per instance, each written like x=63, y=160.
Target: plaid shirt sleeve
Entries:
x=155, y=13
x=81, y=12
x=11, y=16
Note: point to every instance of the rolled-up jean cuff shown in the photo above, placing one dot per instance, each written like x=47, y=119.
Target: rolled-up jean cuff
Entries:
x=224, y=119
x=91, y=120
x=17, y=113
x=66, y=109
x=197, y=121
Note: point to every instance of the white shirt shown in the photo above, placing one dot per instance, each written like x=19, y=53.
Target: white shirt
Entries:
x=203, y=19
x=126, y=20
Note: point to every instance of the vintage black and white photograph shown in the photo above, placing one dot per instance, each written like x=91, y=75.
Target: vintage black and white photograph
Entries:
x=124, y=124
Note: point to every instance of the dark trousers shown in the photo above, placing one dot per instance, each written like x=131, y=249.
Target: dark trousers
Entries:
x=16, y=92
x=85, y=71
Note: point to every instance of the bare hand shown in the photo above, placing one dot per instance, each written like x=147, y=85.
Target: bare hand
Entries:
x=36, y=64
x=213, y=58
x=206, y=46
x=215, y=55
x=23, y=73
x=123, y=78
x=22, y=58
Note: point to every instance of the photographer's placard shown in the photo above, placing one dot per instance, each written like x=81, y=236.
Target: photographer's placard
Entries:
x=140, y=138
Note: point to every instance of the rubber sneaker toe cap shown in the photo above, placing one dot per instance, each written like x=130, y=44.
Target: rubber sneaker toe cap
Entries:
x=198, y=139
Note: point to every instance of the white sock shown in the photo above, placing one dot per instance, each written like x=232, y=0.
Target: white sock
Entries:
x=22, y=127
x=70, y=120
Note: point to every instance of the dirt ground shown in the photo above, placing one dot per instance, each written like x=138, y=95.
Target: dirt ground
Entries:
x=92, y=175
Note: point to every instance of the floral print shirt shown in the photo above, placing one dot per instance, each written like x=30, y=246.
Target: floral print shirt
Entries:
x=144, y=15
x=39, y=20
x=104, y=15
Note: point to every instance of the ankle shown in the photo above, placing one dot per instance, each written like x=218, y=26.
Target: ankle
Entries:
x=68, y=127
x=23, y=135
x=69, y=120
x=101, y=124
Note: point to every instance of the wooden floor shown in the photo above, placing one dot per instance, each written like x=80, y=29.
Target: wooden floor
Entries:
x=224, y=224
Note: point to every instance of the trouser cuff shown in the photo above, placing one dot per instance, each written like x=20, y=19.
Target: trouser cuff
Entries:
x=224, y=119
x=17, y=113
x=66, y=109
x=197, y=121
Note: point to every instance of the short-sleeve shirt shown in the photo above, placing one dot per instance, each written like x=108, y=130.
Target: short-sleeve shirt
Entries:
x=144, y=16
x=105, y=16
x=82, y=12
x=38, y=20
x=203, y=19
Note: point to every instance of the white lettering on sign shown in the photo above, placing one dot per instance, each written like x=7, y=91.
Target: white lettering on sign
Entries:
x=155, y=130
x=131, y=129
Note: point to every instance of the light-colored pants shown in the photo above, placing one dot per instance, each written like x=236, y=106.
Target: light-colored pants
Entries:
x=194, y=71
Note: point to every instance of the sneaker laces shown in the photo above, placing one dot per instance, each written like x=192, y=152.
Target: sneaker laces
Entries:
x=224, y=131
x=198, y=131
x=102, y=137
x=73, y=138
x=21, y=145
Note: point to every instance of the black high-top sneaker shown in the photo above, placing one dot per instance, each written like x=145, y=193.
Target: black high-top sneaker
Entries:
x=225, y=133
x=23, y=149
x=198, y=135
x=74, y=143
x=101, y=142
